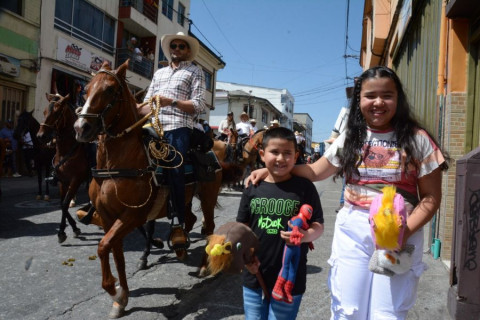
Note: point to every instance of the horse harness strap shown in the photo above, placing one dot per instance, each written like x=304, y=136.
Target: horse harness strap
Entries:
x=115, y=173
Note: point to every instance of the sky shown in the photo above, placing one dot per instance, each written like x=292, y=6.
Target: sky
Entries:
x=298, y=45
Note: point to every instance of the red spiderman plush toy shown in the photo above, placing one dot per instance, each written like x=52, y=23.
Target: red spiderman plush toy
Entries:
x=291, y=256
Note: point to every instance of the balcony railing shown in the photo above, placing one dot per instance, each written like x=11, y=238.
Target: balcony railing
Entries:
x=148, y=10
x=138, y=64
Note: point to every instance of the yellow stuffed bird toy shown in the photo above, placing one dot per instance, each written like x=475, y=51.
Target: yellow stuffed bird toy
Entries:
x=388, y=219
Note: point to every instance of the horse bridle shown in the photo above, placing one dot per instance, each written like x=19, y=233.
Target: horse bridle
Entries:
x=101, y=116
x=254, y=146
x=53, y=126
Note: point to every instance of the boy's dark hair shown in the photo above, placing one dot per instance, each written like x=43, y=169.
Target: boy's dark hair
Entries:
x=279, y=132
x=403, y=123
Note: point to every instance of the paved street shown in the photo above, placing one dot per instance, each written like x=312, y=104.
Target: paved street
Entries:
x=35, y=284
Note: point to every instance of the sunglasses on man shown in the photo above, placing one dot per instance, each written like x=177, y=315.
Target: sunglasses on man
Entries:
x=174, y=46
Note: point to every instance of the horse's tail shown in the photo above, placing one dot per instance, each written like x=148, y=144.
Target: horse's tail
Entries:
x=219, y=253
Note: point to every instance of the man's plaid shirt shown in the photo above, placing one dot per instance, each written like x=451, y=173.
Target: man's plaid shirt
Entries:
x=183, y=83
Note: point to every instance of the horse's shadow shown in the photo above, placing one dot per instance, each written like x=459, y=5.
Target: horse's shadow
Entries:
x=190, y=300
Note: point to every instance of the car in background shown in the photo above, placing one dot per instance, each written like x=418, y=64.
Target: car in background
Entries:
x=7, y=67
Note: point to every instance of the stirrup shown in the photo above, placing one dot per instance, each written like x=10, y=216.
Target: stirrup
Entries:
x=178, y=246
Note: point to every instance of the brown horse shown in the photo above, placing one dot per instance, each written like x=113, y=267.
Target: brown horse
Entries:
x=70, y=163
x=234, y=170
x=110, y=113
x=43, y=152
x=250, y=149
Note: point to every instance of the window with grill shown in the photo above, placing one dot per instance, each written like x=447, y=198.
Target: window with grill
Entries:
x=181, y=14
x=167, y=8
x=83, y=21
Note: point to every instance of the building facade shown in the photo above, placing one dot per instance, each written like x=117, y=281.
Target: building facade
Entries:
x=19, y=56
x=281, y=99
x=75, y=37
x=238, y=101
x=304, y=121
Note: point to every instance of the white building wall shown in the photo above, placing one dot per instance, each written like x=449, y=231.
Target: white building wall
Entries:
x=274, y=96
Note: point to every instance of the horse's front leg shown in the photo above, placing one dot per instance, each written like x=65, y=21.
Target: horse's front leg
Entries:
x=120, y=299
x=62, y=236
x=72, y=190
x=47, y=187
x=39, y=181
x=113, y=241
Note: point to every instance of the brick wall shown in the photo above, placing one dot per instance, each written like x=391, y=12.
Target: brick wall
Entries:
x=454, y=143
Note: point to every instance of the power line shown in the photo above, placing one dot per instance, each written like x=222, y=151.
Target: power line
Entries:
x=223, y=34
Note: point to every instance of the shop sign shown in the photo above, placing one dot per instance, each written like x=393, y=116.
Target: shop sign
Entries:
x=77, y=56
x=9, y=66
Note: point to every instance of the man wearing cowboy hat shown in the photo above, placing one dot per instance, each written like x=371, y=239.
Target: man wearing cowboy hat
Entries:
x=181, y=88
x=274, y=124
x=253, y=122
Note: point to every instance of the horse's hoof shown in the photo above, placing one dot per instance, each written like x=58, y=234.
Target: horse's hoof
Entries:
x=62, y=236
x=38, y=197
x=142, y=265
x=72, y=204
x=158, y=243
x=46, y=198
x=117, y=311
x=206, y=232
x=202, y=272
x=76, y=232
x=182, y=254
x=179, y=242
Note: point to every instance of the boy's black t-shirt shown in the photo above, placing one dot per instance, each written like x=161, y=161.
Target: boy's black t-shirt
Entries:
x=266, y=209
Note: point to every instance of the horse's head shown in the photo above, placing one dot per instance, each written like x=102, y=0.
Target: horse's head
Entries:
x=56, y=111
x=106, y=97
x=233, y=137
x=250, y=150
x=24, y=122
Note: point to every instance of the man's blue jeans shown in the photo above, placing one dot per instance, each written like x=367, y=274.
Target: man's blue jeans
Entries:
x=180, y=140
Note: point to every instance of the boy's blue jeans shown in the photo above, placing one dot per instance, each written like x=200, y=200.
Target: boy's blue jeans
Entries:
x=256, y=308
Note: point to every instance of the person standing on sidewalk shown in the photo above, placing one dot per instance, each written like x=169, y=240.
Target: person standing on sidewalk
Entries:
x=382, y=145
x=7, y=134
x=181, y=88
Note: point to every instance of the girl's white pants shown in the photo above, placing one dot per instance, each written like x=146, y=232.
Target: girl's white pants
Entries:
x=357, y=293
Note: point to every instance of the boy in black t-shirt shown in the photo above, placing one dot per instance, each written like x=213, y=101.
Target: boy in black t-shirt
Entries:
x=266, y=208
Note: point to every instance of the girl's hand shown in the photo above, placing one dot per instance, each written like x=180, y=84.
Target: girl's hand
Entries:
x=256, y=176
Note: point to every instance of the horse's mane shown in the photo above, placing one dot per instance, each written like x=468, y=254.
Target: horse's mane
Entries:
x=31, y=124
x=217, y=263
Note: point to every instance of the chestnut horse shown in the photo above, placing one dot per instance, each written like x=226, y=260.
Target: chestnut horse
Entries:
x=43, y=152
x=110, y=114
x=233, y=170
x=70, y=163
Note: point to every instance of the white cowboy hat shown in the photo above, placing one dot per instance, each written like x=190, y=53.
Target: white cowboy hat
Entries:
x=253, y=120
x=274, y=122
x=192, y=43
x=243, y=115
